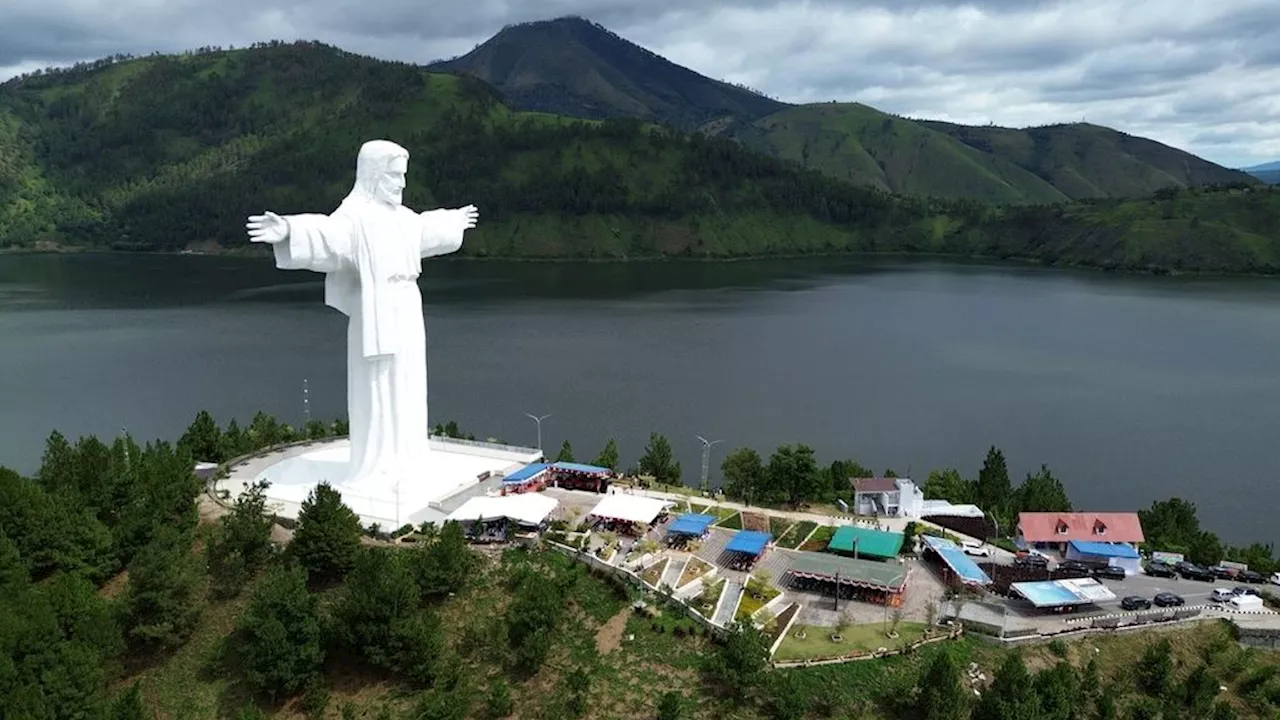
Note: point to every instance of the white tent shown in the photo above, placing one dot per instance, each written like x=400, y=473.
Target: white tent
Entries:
x=524, y=508
x=631, y=508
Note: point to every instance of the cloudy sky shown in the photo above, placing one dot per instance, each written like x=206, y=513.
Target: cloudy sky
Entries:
x=1203, y=75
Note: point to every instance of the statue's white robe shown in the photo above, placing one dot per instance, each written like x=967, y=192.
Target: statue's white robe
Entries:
x=372, y=255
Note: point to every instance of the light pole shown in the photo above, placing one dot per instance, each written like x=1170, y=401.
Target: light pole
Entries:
x=538, y=420
x=706, y=458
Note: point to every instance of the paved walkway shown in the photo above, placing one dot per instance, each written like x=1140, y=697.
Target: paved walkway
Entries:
x=675, y=566
x=729, y=602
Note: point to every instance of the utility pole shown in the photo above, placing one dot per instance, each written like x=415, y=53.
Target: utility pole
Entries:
x=706, y=459
x=538, y=420
x=306, y=402
x=837, y=606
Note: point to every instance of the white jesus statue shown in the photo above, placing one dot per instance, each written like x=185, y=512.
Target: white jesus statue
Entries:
x=371, y=251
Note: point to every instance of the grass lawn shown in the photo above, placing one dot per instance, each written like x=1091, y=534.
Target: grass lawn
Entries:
x=750, y=603
x=820, y=539
x=732, y=522
x=694, y=569
x=797, y=534
x=700, y=509
x=721, y=512
x=778, y=527
x=858, y=639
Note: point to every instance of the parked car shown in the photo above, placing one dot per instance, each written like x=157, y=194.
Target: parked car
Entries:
x=1242, y=590
x=1250, y=576
x=1074, y=566
x=1246, y=602
x=975, y=548
x=1223, y=573
x=1192, y=571
x=1135, y=602
x=1221, y=595
x=1109, y=572
x=1275, y=578
x=1160, y=569
x=1034, y=560
x=1168, y=599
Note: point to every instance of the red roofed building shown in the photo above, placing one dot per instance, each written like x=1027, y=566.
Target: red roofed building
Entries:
x=1055, y=530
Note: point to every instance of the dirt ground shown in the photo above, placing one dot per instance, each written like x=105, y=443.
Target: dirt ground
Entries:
x=609, y=637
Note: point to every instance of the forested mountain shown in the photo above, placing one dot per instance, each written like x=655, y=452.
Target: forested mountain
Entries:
x=571, y=66
x=173, y=152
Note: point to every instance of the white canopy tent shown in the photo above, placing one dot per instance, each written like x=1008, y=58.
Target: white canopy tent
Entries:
x=630, y=508
x=524, y=508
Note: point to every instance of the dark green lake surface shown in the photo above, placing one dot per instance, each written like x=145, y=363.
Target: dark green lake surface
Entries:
x=1130, y=389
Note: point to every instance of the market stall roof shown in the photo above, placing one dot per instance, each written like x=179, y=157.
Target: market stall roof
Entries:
x=1059, y=593
x=691, y=524
x=891, y=576
x=579, y=467
x=1104, y=549
x=751, y=542
x=525, y=474
x=524, y=508
x=954, y=557
x=632, y=508
x=866, y=541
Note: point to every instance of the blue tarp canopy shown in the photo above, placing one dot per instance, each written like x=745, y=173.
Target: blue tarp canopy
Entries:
x=751, y=542
x=525, y=474
x=1060, y=593
x=579, y=467
x=1102, y=549
x=955, y=559
x=691, y=524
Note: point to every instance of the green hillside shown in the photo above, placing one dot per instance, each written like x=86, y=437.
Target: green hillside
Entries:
x=1086, y=161
x=862, y=145
x=173, y=152
x=571, y=66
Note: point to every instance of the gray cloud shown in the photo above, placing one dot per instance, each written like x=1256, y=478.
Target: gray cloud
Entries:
x=1197, y=74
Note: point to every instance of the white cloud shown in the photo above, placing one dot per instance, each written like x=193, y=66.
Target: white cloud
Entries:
x=1197, y=74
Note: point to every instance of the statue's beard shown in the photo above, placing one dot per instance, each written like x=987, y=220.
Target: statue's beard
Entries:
x=392, y=198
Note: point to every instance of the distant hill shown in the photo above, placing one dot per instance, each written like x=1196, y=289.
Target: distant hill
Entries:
x=1088, y=161
x=169, y=153
x=1266, y=172
x=571, y=66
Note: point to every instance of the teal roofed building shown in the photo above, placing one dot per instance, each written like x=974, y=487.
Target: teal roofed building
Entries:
x=865, y=542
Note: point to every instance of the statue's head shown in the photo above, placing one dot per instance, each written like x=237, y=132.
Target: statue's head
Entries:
x=380, y=170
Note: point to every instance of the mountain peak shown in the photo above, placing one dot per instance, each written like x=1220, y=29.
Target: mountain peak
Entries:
x=574, y=66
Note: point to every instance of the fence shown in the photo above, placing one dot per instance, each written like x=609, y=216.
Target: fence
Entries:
x=955, y=632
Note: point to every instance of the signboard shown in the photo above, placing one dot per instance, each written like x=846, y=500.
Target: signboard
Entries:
x=1233, y=565
x=1171, y=558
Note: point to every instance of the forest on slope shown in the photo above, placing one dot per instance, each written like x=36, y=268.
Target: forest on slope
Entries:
x=169, y=153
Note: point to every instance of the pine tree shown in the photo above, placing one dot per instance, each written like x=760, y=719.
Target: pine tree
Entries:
x=566, y=453
x=163, y=601
x=444, y=565
x=942, y=694
x=279, y=639
x=327, y=539
x=608, y=457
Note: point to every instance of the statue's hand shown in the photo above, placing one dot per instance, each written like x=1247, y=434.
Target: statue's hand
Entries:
x=268, y=228
x=470, y=216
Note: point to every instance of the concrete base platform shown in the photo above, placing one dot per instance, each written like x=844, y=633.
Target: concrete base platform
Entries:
x=455, y=471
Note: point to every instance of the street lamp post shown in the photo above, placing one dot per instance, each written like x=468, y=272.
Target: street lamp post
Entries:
x=706, y=459
x=538, y=420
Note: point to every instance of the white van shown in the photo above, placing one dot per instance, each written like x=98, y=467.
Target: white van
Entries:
x=1245, y=602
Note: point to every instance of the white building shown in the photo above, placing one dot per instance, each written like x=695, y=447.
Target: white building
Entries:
x=887, y=497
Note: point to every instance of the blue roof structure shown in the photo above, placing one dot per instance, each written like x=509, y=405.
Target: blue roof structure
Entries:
x=579, y=467
x=955, y=559
x=691, y=524
x=1102, y=549
x=525, y=474
x=751, y=542
x=1059, y=593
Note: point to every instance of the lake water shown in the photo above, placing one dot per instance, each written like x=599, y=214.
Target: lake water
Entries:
x=1130, y=389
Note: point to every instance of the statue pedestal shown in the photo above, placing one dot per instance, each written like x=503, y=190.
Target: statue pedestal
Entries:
x=452, y=472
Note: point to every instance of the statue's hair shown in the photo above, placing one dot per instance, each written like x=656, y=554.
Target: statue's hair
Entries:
x=371, y=163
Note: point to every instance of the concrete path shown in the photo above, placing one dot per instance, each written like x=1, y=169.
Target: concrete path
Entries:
x=675, y=567
x=728, y=602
